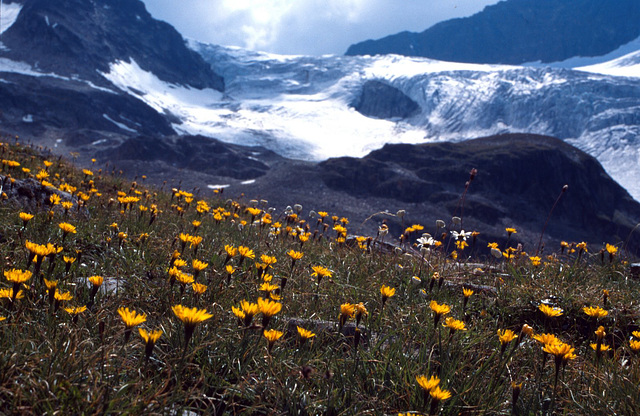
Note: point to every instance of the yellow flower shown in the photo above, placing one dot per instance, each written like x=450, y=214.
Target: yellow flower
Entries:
x=199, y=265
x=39, y=250
x=467, y=292
x=179, y=263
x=183, y=278
x=246, y=311
x=25, y=217
x=506, y=336
x=634, y=345
x=347, y=310
x=511, y=230
x=9, y=294
x=190, y=317
x=361, y=311
x=62, y=296
x=461, y=244
x=267, y=287
x=438, y=395
x=320, y=272
x=268, y=308
x=600, y=333
x=454, y=324
x=550, y=311
x=595, y=311
x=563, y=352
x=150, y=336
x=199, y=288
x=600, y=347
x=131, y=318
x=16, y=276
x=268, y=260
x=438, y=309
x=387, y=292
x=305, y=334
x=611, y=249
x=636, y=334
x=582, y=246
x=75, y=311
x=546, y=339
x=295, y=255
x=67, y=228
x=272, y=336
x=428, y=384
x=50, y=284
x=231, y=251
x=96, y=281
x=535, y=261
x=246, y=252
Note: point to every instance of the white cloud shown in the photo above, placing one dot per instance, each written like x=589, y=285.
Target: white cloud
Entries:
x=304, y=26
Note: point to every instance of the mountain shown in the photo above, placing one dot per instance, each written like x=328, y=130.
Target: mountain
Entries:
x=81, y=38
x=519, y=178
x=519, y=31
x=53, y=57
x=132, y=104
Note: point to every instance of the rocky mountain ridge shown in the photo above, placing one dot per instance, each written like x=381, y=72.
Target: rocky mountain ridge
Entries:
x=519, y=31
x=131, y=105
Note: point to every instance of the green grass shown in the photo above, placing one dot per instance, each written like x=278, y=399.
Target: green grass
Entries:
x=52, y=364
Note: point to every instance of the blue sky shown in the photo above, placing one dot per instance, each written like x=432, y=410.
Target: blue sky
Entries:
x=312, y=27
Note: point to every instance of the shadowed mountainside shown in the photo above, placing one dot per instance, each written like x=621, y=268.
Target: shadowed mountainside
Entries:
x=518, y=31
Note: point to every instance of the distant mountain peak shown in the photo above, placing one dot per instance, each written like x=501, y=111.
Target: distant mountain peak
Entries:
x=519, y=31
x=80, y=38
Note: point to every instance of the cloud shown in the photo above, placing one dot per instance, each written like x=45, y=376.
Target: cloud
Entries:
x=304, y=26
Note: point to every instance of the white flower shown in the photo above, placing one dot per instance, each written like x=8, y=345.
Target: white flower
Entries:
x=460, y=235
x=440, y=224
x=424, y=241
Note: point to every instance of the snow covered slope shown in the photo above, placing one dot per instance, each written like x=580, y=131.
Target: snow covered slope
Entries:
x=301, y=106
x=625, y=66
x=8, y=15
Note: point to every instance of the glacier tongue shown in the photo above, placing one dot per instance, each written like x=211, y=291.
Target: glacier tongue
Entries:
x=301, y=106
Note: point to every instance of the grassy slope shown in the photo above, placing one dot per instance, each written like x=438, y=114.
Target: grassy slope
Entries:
x=51, y=363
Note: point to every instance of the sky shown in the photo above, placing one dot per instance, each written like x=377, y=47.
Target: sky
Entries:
x=304, y=27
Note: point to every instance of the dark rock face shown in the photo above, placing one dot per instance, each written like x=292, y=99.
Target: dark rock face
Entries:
x=520, y=176
x=82, y=37
x=518, y=31
x=72, y=105
x=195, y=153
x=383, y=101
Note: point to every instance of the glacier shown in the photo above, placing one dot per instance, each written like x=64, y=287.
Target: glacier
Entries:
x=301, y=106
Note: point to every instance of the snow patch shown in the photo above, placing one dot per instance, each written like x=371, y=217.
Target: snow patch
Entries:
x=28, y=118
x=218, y=186
x=9, y=13
x=625, y=66
x=248, y=182
x=122, y=126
